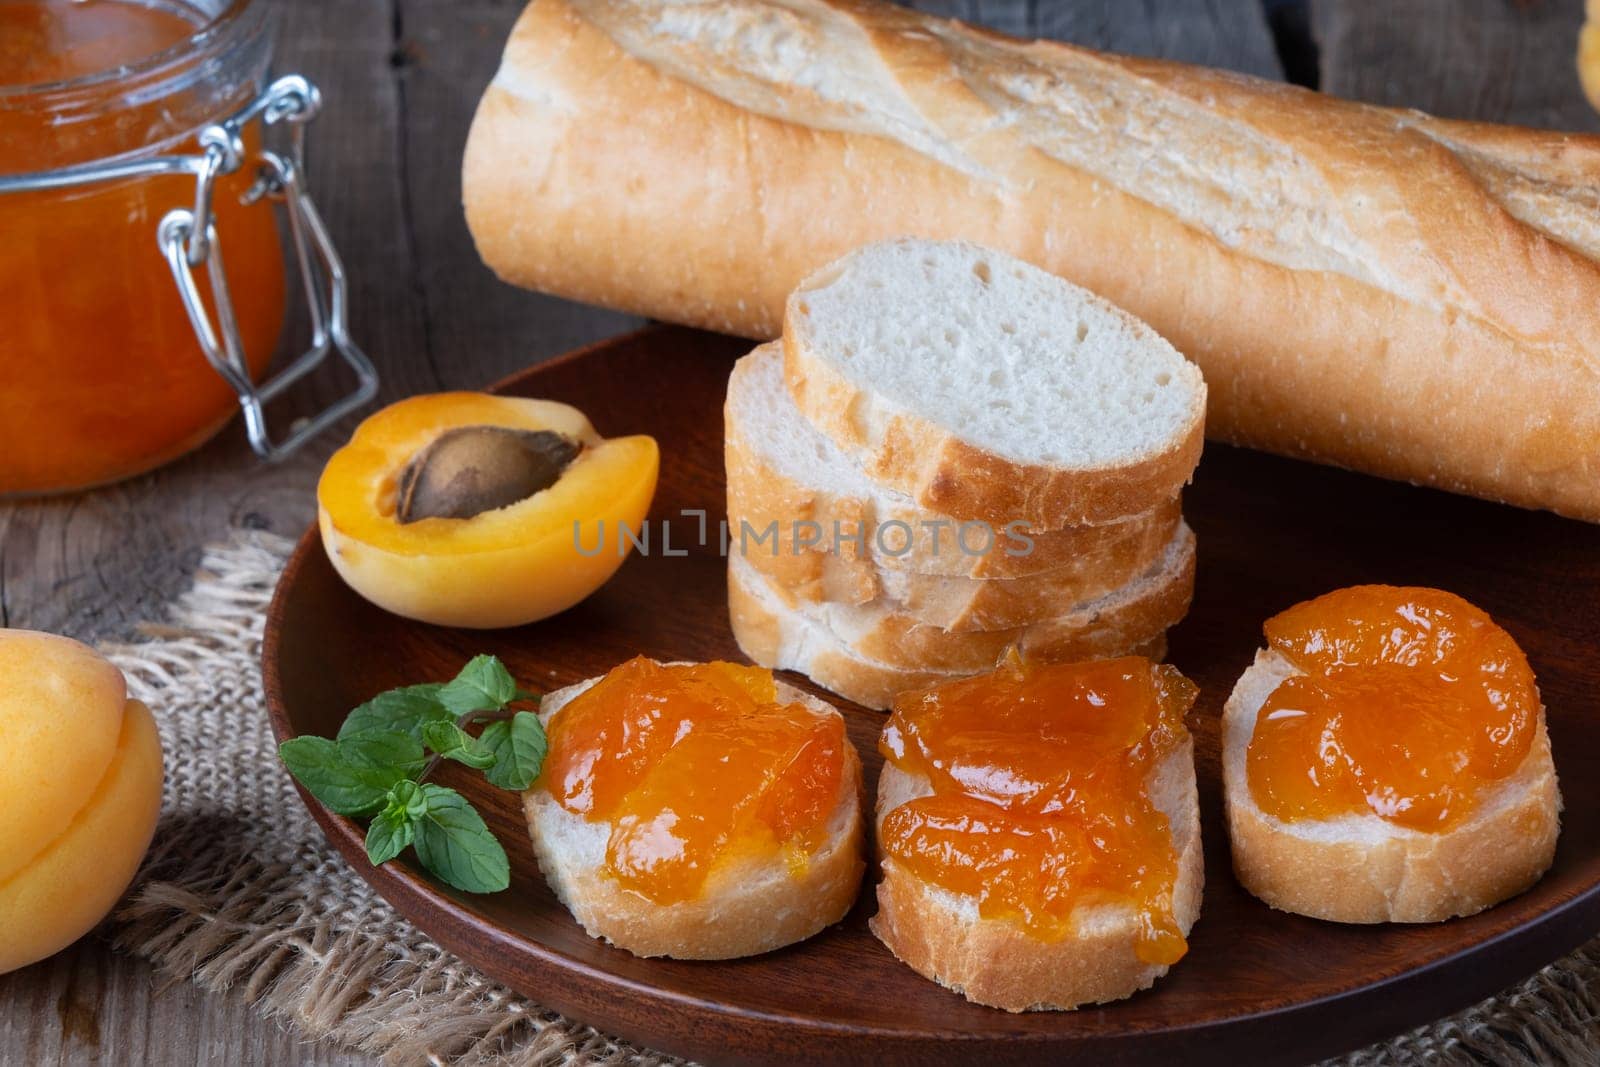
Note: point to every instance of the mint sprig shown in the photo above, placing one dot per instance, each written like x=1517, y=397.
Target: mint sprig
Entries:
x=378, y=765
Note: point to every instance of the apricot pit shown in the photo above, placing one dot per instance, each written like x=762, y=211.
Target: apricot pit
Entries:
x=467, y=471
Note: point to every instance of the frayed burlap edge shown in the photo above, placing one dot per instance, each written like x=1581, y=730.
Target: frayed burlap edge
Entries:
x=241, y=893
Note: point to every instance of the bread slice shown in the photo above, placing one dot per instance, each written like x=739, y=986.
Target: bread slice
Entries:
x=785, y=637
x=960, y=605
x=967, y=605
x=1364, y=869
x=784, y=476
x=750, y=905
x=881, y=630
x=939, y=933
x=989, y=389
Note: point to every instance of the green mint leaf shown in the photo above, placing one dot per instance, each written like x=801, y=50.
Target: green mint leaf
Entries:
x=454, y=843
x=391, y=831
x=409, y=798
x=402, y=710
x=523, y=694
x=383, y=750
x=518, y=746
x=452, y=742
x=484, y=684
x=395, y=826
x=346, y=789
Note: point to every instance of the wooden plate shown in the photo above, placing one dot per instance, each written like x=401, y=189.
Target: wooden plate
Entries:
x=1258, y=986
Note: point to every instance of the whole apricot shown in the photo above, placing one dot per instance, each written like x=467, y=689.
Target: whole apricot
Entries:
x=467, y=509
x=80, y=790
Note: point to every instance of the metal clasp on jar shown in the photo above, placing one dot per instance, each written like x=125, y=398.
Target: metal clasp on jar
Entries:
x=189, y=240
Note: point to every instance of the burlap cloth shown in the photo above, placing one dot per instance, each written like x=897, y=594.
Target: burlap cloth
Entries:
x=241, y=893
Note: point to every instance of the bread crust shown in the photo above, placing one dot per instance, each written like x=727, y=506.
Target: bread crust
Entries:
x=1365, y=287
x=775, y=635
x=748, y=907
x=994, y=962
x=1363, y=869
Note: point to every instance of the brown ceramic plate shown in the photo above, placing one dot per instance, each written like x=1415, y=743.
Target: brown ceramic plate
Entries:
x=1258, y=986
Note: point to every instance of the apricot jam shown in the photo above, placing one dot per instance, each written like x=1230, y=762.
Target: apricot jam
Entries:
x=1040, y=800
x=1412, y=704
x=694, y=766
x=100, y=373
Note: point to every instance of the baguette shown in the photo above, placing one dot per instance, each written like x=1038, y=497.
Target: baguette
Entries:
x=1361, y=868
x=991, y=961
x=1023, y=397
x=777, y=635
x=1374, y=288
x=749, y=905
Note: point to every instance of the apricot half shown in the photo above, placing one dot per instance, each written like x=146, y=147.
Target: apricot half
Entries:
x=80, y=791
x=466, y=509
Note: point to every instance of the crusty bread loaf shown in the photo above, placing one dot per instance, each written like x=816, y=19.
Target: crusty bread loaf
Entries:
x=989, y=389
x=748, y=906
x=1374, y=288
x=782, y=474
x=992, y=961
x=787, y=637
x=1365, y=869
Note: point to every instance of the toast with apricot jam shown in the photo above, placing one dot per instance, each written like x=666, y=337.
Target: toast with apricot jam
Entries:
x=1386, y=759
x=698, y=811
x=1039, y=832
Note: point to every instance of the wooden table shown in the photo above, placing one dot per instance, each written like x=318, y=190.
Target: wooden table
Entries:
x=401, y=78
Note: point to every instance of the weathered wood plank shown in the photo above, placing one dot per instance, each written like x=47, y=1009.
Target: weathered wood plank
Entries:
x=1217, y=33
x=477, y=329
x=94, y=1005
x=1480, y=59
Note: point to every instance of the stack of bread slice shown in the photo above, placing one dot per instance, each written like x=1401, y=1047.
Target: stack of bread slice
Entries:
x=949, y=456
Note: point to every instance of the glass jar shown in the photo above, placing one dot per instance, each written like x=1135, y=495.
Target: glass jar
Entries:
x=129, y=135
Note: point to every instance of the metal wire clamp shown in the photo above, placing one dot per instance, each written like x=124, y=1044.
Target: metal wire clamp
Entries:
x=188, y=240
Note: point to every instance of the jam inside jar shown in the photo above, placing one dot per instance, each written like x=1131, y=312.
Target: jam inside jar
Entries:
x=101, y=374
